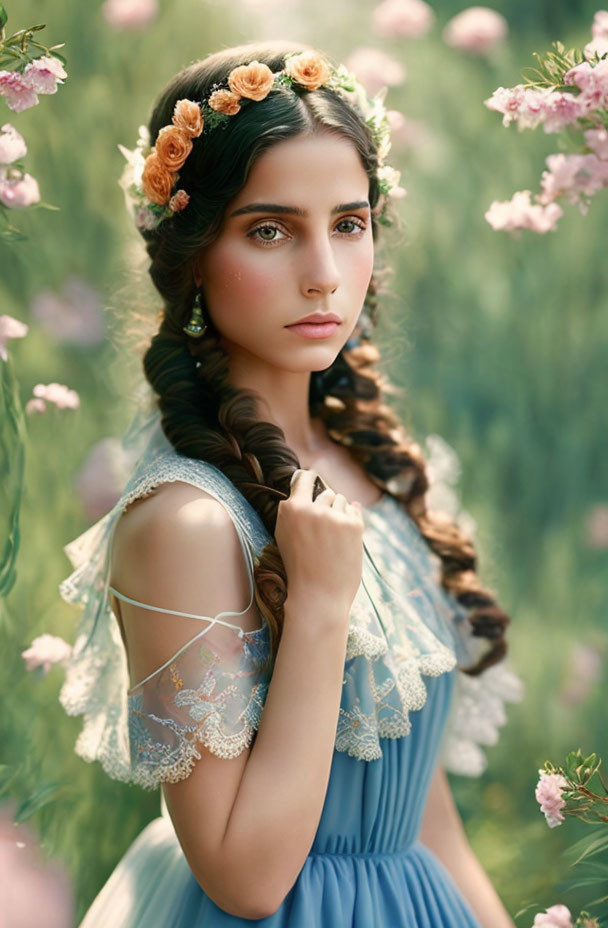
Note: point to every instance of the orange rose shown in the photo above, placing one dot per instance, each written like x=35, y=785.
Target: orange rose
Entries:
x=173, y=146
x=308, y=68
x=187, y=116
x=224, y=101
x=252, y=80
x=179, y=200
x=156, y=180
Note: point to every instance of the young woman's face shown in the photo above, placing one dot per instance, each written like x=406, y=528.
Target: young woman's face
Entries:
x=296, y=240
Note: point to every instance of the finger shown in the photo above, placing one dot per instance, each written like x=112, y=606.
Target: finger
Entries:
x=302, y=482
x=325, y=497
x=340, y=503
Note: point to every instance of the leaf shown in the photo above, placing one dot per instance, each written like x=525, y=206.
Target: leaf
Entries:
x=589, y=846
x=12, y=464
x=3, y=17
x=47, y=794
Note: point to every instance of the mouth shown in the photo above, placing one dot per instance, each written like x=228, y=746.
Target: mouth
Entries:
x=314, y=329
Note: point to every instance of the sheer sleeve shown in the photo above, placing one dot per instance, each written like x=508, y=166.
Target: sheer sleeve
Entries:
x=210, y=693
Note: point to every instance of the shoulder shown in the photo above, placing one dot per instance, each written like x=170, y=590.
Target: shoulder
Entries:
x=179, y=543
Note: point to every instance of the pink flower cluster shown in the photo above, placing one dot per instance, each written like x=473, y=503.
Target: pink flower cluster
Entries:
x=556, y=916
x=10, y=328
x=548, y=794
x=519, y=213
x=129, y=14
x=554, y=109
x=478, y=30
x=573, y=178
x=45, y=651
x=17, y=189
x=407, y=19
x=56, y=393
x=599, y=31
x=21, y=89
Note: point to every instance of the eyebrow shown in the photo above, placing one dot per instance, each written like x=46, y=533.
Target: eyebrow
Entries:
x=295, y=210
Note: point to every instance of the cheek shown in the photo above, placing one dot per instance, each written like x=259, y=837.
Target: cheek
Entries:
x=244, y=280
x=362, y=269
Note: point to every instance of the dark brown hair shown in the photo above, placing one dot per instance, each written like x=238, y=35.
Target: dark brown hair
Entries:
x=205, y=417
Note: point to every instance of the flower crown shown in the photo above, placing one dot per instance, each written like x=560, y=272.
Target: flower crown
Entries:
x=151, y=175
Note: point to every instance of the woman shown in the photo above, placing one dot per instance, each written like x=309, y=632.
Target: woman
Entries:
x=290, y=614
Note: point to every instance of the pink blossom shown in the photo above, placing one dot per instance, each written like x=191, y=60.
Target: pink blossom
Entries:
x=74, y=315
x=556, y=916
x=18, y=190
x=12, y=144
x=584, y=670
x=31, y=884
x=375, y=69
x=17, y=92
x=35, y=405
x=44, y=73
x=130, y=14
x=45, y=651
x=405, y=19
x=520, y=213
x=477, y=30
x=530, y=107
x=597, y=527
x=597, y=46
x=10, y=328
x=102, y=477
x=574, y=177
x=599, y=31
x=592, y=81
x=59, y=394
x=597, y=140
x=548, y=794
x=599, y=28
x=507, y=100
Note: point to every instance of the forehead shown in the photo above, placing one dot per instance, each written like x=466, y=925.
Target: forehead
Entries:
x=313, y=166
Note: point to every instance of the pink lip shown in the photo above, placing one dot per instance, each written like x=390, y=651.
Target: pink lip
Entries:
x=314, y=329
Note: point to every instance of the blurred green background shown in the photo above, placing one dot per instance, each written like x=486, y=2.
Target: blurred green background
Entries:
x=499, y=345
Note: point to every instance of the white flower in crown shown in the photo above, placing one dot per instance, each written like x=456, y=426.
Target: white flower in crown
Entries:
x=389, y=182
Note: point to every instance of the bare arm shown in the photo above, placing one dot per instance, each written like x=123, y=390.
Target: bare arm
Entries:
x=443, y=833
x=245, y=824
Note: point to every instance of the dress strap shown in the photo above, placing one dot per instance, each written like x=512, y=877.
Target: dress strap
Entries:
x=189, y=615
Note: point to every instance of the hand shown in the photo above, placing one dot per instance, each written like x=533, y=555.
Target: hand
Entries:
x=321, y=542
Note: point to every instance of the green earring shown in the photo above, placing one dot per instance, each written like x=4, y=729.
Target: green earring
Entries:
x=196, y=327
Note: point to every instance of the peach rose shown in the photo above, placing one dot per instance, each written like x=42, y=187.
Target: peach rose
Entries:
x=179, y=199
x=252, y=80
x=308, y=68
x=156, y=180
x=173, y=146
x=224, y=101
x=187, y=116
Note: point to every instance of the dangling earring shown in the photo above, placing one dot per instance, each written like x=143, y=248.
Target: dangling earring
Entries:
x=196, y=327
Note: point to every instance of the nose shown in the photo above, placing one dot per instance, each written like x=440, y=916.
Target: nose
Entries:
x=320, y=272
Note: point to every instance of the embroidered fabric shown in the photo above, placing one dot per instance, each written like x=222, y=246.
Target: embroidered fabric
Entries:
x=213, y=690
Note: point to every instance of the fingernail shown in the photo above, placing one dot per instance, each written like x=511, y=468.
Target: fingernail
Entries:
x=294, y=475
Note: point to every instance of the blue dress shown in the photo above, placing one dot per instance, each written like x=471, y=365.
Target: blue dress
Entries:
x=405, y=709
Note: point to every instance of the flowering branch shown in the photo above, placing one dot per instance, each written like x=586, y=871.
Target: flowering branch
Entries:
x=567, y=94
x=567, y=790
x=28, y=68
